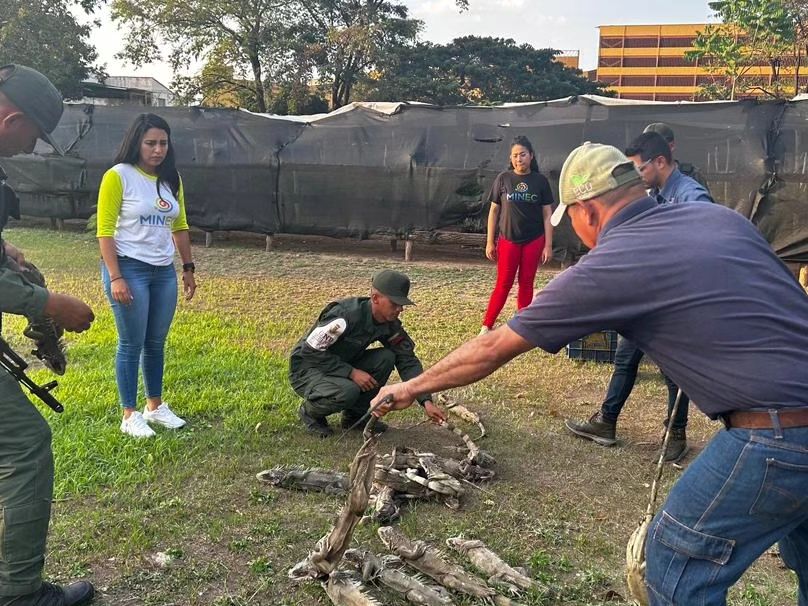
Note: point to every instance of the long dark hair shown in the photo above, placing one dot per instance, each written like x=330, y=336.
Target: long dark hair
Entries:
x=525, y=142
x=129, y=152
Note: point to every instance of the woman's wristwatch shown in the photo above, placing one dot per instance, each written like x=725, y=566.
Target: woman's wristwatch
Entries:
x=188, y=267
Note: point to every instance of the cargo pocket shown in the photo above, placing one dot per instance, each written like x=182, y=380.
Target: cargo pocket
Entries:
x=686, y=544
x=778, y=494
x=24, y=531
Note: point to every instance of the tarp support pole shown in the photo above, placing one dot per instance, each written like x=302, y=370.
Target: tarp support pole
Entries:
x=208, y=239
x=57, y=224
x=268, y=243
x=408, y=249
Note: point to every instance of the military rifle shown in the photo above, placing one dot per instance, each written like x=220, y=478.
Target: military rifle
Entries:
x=15, y=365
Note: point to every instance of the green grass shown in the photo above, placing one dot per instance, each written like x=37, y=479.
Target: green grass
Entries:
x=560, y=506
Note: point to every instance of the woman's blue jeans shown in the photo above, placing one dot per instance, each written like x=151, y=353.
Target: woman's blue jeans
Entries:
x=142, y=325
x=746, y=491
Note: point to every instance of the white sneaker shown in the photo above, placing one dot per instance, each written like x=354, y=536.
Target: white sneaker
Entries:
x=484, y=330
x=136, y=427
x=164, y=416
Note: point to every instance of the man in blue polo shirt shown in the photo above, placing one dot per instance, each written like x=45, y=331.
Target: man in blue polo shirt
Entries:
x=710, y=302
x=652, y=157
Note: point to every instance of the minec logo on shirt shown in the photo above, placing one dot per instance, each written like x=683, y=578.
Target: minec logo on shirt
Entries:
x=521, y=194
x=581, y=185
x=162, y=206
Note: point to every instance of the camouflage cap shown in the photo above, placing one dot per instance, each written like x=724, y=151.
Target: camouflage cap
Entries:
x=660, y=128
x=393, y=285
x=590, y=171
x=35, y=96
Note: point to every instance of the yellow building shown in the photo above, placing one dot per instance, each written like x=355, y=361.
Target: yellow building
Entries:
x=569, y=58
x=648, y=62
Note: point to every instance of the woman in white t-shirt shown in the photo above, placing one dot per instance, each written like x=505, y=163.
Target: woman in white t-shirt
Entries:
x=141, y=222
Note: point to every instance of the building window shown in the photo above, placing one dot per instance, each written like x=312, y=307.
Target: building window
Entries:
x=610, y=80
x=676, y=42
x=641, y=42
x=675, y=81
x=637, y=81
x=675, y=62
x=639, y=62
x=611, y=43
x=609, y=62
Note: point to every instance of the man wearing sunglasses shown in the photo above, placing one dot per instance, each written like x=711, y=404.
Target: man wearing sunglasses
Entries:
x=652, y=156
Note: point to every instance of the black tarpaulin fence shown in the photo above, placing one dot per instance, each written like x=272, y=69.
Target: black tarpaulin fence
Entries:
x=399, y=168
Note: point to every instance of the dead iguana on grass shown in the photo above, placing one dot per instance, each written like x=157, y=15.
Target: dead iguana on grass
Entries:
x=460, y=411
x=344, y=590
x=431, y=562
x=329, y=549
x=301, y=478
x=491, y=564
x=380, y=570
x=475, y=455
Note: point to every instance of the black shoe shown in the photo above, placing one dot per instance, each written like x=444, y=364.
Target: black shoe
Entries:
x=349, y=422
x=75, y=594
x=316, y=425
x=597, y=429
x=677, y=445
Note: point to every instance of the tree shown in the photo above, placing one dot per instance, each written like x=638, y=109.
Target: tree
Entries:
x=346, y=38
x=249, y=36
x=751, y=33
x=45, y=35
x=476, y=70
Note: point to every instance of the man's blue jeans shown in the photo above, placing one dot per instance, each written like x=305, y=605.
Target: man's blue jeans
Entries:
x=142, y=325
x=626, y=363
x=746, y=491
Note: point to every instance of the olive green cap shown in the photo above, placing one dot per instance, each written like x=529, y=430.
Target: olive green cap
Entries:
x=660, y=128
x=393, y=285
x=590, y=171
x=35, y=96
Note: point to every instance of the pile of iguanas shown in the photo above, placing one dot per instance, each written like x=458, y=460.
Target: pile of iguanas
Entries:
x=402, y=475
x=378, y=484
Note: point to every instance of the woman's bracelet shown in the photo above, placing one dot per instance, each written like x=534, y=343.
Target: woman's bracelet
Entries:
x=115, y=278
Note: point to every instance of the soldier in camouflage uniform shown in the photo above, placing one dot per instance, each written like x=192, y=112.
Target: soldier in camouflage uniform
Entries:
x=30, y=108
x=333, y=370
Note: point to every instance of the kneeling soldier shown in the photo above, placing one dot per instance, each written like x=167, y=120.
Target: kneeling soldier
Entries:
x=332, y=367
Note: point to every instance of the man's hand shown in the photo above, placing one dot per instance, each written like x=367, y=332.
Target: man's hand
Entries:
x=434, y=412
x=365, y=381
x=14, y=253
x=401, y=398
x=69, y=312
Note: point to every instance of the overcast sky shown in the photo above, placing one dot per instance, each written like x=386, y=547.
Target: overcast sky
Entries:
x=561, y=24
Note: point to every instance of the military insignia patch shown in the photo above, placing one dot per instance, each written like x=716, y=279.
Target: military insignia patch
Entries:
x=323, y=337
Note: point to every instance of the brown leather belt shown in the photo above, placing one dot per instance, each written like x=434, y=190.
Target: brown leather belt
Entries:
x=767, y=419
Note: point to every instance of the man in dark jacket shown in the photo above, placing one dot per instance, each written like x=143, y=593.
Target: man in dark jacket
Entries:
x=332, y=367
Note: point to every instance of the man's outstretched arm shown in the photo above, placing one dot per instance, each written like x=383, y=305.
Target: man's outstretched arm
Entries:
x=468, y=363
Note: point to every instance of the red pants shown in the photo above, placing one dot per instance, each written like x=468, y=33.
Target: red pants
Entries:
x=510, y=258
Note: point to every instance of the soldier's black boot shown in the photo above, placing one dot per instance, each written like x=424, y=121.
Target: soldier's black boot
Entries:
x=75, y=594
x=316, y=425
x=597, y=429
x=677, y=445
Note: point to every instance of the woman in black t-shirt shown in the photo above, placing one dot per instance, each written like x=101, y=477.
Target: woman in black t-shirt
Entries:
x=521, y=200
